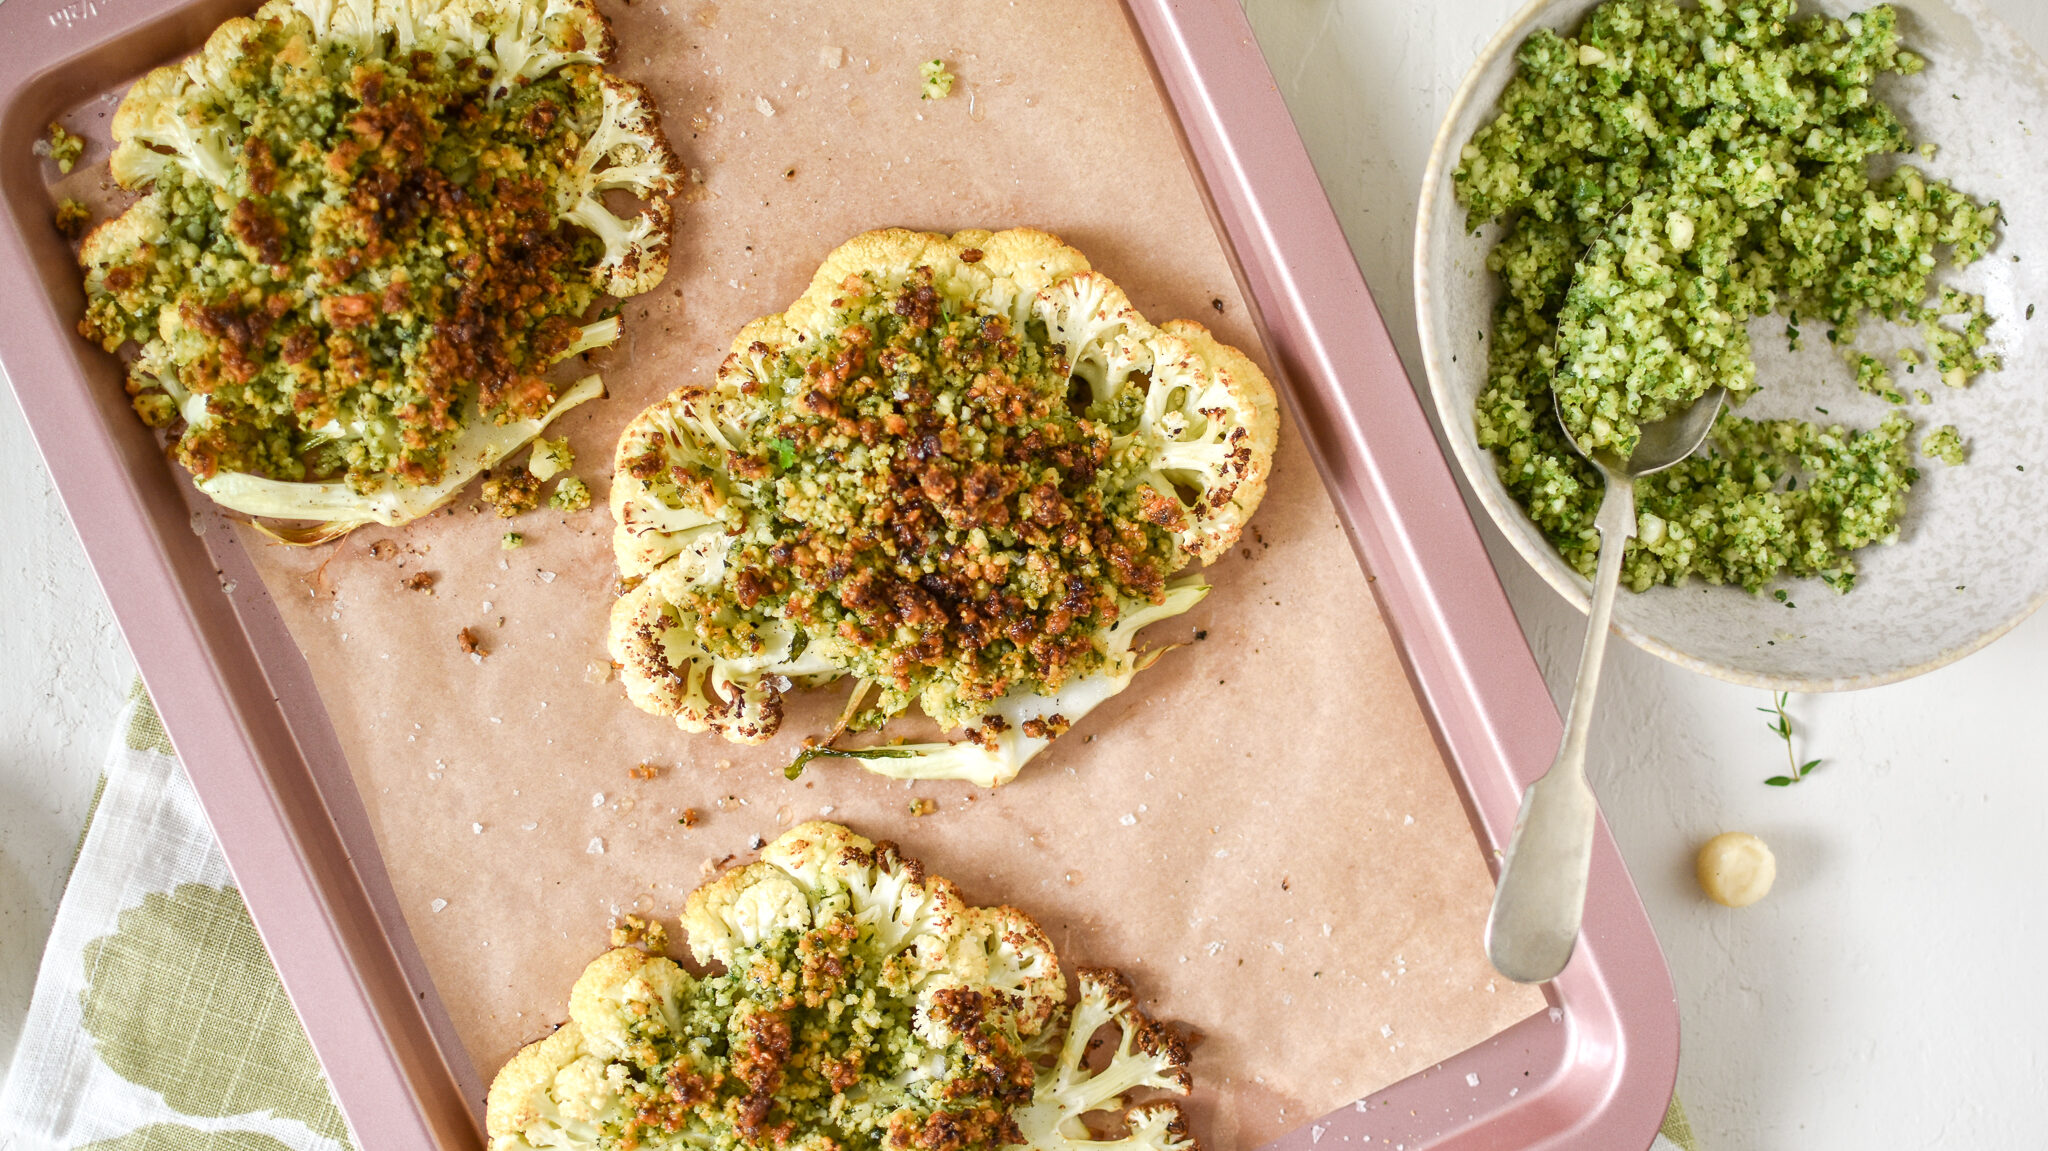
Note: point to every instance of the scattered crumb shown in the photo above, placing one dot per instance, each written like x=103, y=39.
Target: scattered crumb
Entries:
x=789, y=173
x=471, y=645
x=756, y=841
x=1945, y=444
x=645, y=771
x=511, y=540
x=419, y=581
x=550, y=458
x=1046, y=727
x=571, y=495
x=73, y=219
x=923, y=806
x=938, y=82
x=1217, y=304
x=597, y=671
x=61, y=147
x=690, y=817
x=383, y=549
x=633, y=931
x=512, y=491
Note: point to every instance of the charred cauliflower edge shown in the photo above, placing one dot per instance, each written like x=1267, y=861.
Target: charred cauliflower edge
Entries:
x=1207, y=419
x=179, y=118
x=991, y=1042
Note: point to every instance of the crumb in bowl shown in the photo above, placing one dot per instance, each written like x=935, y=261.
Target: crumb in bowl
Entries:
x=1663, y=175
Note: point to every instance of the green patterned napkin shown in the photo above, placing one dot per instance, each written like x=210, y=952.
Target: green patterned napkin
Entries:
x=158, y=1023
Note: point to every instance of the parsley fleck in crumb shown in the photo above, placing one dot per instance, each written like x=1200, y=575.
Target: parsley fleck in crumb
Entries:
x=511, y=540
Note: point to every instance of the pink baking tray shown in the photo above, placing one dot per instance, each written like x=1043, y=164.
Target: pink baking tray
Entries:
x=1595, y=1071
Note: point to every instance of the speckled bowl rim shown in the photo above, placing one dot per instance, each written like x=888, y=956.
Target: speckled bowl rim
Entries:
x=1477, y=464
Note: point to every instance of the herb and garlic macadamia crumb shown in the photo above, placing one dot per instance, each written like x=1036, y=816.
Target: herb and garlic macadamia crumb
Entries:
x=371, y=230
x=1662, y=177
x=852, y=1001
x=962, y=470
x=61, y=146
x=1945, y=444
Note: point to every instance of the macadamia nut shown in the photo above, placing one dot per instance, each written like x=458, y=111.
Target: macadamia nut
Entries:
x=1736, y=869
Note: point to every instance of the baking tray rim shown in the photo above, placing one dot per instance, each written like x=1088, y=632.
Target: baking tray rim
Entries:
x=1599, y=1065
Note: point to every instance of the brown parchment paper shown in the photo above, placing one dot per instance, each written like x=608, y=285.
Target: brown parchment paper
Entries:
x=1259, y=831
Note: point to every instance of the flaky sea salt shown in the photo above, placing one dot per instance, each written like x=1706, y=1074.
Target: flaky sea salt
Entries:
x=1472, y=1079
x=437, y=905
x=596, y=846
x=762, y=106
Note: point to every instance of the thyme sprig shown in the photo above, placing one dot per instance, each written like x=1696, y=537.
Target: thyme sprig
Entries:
x=1781, y=726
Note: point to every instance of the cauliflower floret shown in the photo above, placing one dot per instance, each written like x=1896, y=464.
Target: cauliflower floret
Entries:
x=854, y=1000
x=661, y=642
x=961, y=470
x=314, y=358
x=1146, y=1055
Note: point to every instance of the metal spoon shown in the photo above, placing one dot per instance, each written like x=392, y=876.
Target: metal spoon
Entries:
x=1542, y=894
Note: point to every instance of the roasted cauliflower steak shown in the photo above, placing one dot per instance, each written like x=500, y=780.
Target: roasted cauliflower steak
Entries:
x=370, y=231
x=851, y=1000
x=962, y=470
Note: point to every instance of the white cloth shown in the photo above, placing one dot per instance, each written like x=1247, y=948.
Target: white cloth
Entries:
x=153, y=968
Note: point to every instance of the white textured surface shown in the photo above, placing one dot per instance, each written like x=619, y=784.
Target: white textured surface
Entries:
x=1885, y=994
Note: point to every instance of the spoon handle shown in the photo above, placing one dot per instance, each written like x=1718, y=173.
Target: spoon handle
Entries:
x=1542, y=894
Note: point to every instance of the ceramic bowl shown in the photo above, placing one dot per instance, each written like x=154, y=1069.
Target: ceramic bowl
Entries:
x=1971, y=558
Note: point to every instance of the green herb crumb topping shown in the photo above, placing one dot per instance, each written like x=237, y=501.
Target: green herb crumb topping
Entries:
x=1663, y=177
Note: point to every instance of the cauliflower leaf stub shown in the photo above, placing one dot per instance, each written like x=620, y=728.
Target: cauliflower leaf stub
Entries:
x=962, y=470
x=370, y=228
x=855, y=1002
